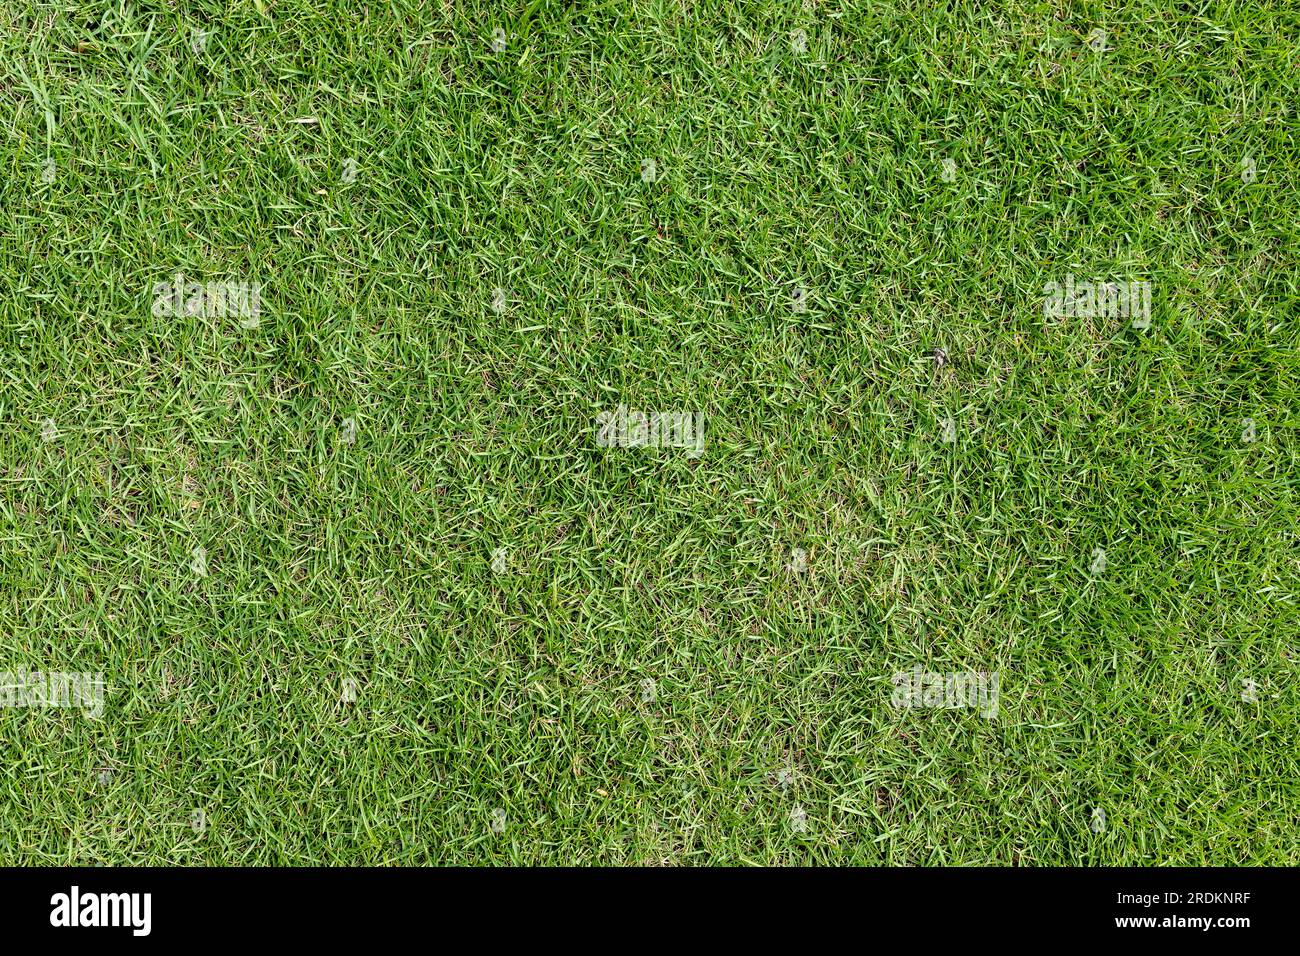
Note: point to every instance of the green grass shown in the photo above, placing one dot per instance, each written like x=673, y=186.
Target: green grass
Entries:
x=523, y=691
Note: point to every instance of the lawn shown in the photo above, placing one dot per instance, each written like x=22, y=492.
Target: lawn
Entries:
x=368, y=582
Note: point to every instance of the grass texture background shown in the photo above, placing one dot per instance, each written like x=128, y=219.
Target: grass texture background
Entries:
x=780, y=166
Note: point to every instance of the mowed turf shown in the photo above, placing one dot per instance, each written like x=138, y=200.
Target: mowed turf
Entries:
x=649, y=677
